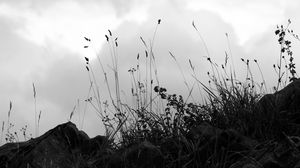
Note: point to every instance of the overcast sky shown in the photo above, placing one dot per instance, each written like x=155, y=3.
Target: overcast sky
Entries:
x=42, y=43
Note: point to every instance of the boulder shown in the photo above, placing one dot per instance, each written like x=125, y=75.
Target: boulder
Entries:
x=62, y=147
x=217, y=142
x=143, y=155
x=273, y=154
x=139, y=155
x=287, y=99
x=281, y=110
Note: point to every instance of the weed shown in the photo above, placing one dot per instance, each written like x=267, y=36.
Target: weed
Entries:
x=285, y=50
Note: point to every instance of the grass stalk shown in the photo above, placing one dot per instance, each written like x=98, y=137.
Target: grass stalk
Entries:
x=2, y=131
x=35, y=112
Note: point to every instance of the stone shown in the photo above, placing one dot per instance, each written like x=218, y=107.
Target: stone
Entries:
x=143, y=155
x=297, y=164
x=281, y=110
x=213, y=140
x=276, y=154
x=287, y=99
x=62, y=147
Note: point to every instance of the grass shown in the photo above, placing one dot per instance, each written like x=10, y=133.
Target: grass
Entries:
x=159, y=117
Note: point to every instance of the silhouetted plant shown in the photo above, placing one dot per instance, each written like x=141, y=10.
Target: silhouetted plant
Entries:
x=160, y=117
x=285, y=50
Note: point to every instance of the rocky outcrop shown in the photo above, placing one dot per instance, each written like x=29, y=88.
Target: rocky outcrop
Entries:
x=243, y=152
x=285, y=100
x=66, y=147
x=139, y=155
x=282, y=108
x=273, y=154
x=143, y=155
x=216, y=142
x=281, y=117
x=63, y=147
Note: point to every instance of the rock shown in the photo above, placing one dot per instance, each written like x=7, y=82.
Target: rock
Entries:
x=281, y=110
x=93, y=145
x=171, y=146
x=287, y=99
x=267, y=105
x=143, y=155
x=62, y=147
x=204, y=131
x=250, y=166
x=115, y=161
x=140, y=155
x=297, y=164
x=229, y=137
x=281, y=154
x=215, y=142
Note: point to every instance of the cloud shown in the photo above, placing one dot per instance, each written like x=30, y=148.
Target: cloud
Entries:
x=64, y=82
x=247, y=17
x=18, y=60
x=65, y=23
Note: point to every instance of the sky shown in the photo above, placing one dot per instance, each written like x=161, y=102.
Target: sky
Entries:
x=42, y=42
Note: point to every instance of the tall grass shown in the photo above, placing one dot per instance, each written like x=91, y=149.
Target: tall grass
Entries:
x=2, y=131
x=157, y=115
x=229, y=96
x=117, y=118
x=10, y=134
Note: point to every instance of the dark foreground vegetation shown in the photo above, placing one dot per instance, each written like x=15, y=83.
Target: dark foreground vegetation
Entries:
x=238, y=126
